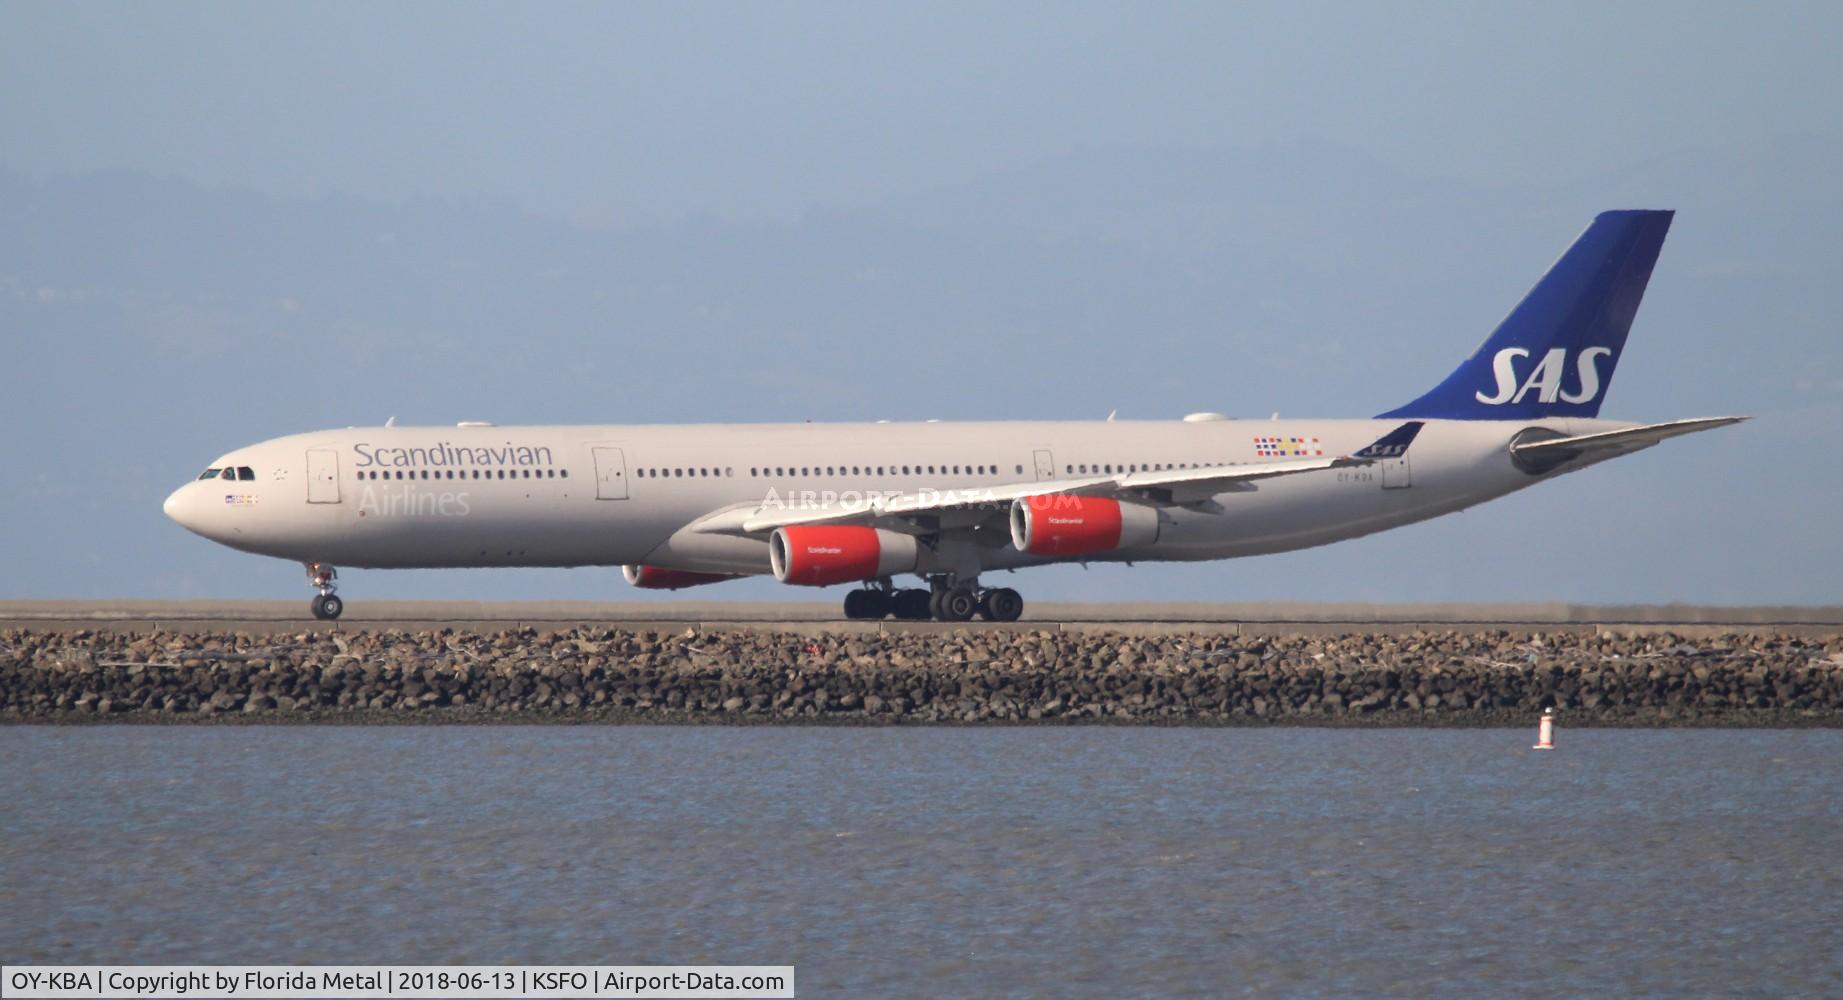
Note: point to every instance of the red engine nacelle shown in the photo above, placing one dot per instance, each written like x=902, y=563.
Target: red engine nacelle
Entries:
x=655, y=578
x=819, y=555
x=1078, y=526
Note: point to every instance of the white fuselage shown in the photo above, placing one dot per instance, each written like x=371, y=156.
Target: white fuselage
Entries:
x=475, y=496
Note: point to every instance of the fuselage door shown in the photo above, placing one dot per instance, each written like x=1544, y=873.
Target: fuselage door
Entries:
x=610, y=473
x=322, y=475
x=1046, y=464
x=1395, y=473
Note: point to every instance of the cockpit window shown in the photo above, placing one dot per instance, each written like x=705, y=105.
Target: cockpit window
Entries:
x=210, y=474
x=246, y=473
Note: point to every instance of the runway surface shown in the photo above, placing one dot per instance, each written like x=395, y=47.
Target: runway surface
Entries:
x=811, y=617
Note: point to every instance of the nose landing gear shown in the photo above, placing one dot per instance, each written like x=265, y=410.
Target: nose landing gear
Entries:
x=326, y=606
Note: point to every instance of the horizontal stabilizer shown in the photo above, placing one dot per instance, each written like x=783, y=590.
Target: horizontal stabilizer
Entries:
x=1627, y=439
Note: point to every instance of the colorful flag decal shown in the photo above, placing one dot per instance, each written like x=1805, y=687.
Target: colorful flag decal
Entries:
x=1287, y=447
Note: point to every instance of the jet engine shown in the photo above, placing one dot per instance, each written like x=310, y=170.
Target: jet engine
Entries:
x=821, y=555
x=1061, y=525
x=657, y=578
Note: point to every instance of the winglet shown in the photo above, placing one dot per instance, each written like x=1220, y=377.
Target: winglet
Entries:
x=1394, y=444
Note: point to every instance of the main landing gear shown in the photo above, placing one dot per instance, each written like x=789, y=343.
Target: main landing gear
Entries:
x=327, y=605
x=942, y=602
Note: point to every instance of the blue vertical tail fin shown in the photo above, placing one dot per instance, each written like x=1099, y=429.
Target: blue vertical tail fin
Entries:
x=1554, y=355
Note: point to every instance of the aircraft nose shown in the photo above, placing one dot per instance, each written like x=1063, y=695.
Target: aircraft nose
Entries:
x=180, y=506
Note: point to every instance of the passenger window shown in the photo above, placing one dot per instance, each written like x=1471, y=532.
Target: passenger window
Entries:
x=564, y=473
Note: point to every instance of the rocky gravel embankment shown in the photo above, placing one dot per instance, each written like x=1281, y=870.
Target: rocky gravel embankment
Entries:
x=965, y=676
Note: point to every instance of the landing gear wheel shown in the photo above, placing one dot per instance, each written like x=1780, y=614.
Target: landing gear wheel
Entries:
x=1002, y=605
x=910, y=605
x=863, y=604
x=876, y=604
x=955, y=605
x=324, y=579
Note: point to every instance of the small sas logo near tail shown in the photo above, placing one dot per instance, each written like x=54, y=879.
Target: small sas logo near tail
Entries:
x=1545, y=379
x=1394, y=444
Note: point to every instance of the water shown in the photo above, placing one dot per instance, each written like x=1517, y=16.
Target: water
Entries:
x=1087, y=861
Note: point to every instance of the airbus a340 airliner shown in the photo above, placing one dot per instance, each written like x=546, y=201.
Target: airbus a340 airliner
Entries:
x=863, y=504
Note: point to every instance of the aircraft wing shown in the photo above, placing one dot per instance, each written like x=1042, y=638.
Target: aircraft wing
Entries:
x=1165, y=487
x=1628, y=439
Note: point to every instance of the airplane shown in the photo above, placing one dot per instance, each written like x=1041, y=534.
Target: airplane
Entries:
x=817, y=505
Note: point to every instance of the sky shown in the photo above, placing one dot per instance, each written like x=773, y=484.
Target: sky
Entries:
x=220, y=223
